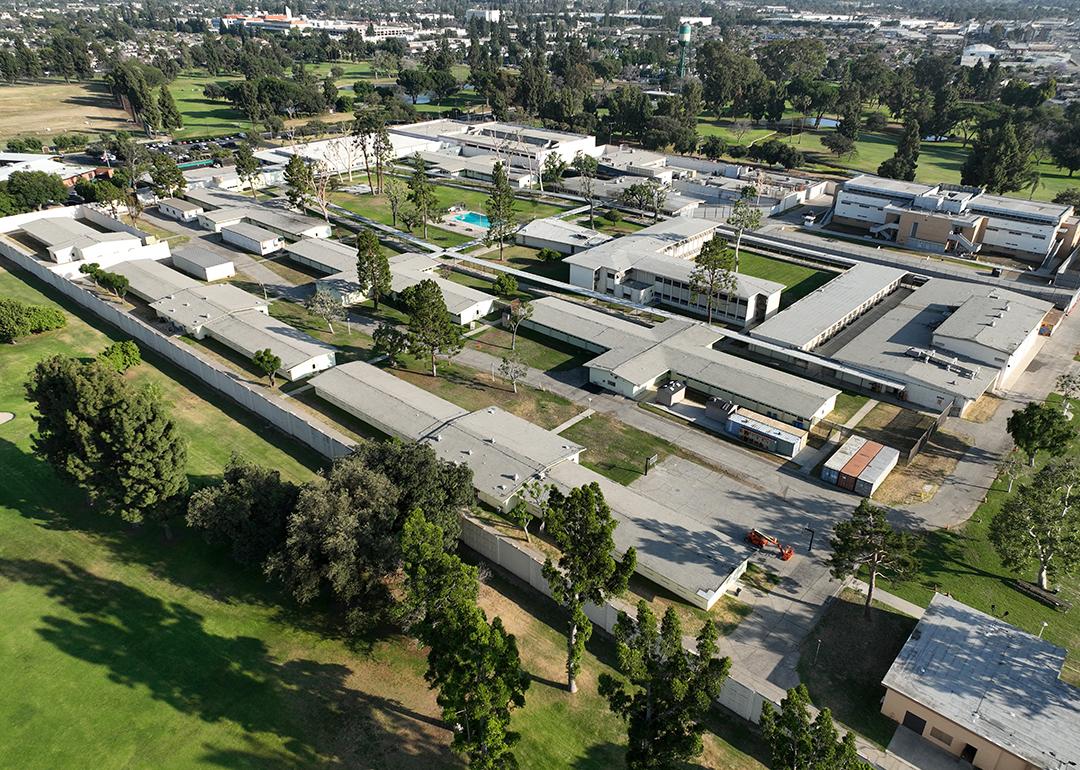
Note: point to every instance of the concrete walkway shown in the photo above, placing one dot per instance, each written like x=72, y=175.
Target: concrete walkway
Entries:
x=574, y=420
x=886, y=598
x=864, y=410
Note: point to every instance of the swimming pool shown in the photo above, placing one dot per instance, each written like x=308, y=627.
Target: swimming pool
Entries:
x=472, y=218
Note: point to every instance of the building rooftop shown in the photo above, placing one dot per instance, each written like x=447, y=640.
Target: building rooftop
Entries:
x=151, y=280
x=994, y=322
x=251, y=231
x=993, y=679
x=10, y=162
x=180, y=204
x=330, y=256
x=662, y=238
x=60, y=232
x=197, y=255
x=293, y=224
x=552, y=229
x=225, y=214
x=251, y=330
x=195, y=307
x=807, y=319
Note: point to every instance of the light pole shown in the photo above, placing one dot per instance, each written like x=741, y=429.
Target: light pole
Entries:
x=810, y=547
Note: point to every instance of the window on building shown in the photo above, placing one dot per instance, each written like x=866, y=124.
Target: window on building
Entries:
x=940, y=736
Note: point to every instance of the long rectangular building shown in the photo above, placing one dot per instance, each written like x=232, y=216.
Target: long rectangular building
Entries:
x=634, y=359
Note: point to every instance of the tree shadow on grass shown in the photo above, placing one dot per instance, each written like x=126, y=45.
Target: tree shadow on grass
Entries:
x=299, y=713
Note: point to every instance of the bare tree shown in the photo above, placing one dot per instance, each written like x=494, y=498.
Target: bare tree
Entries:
x=513, y=369
x=1010, y=466
x=518, y=312
x=1068, y=385
x=324, y=184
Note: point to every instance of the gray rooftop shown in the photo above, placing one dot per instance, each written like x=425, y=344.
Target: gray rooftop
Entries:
x=998, y=323
x=808, y=318
x=250, y=330
x=293, y=224
x=180, y=204
x=253, y=232
x=684, y=349
x=150, y=280
x=660, y=239
x=226, y=214
x=880, y=184
x=64, y=231
x=557, y=230
x=993, y=679
x=324, y=254
x=205, y=197
x=201, y=257
x=195, y=307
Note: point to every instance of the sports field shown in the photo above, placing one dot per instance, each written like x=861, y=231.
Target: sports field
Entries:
x=53, y=107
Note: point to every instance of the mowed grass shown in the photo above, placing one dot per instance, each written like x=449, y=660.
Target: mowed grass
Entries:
x=615, y=449
x=964, y=564
x=534, y=350
x=126, y=650
x=798, y=280
x=47, y=108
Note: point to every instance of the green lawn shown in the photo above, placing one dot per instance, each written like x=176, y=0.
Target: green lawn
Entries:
x=614, y=449
x=709, y=125
x=964, y=564
x=847, y=405
x=352, y=345
x=799, y=280
x=527, y=259
x=535, y=350
x=126, y=650
x=845, y=657
x=605, y=225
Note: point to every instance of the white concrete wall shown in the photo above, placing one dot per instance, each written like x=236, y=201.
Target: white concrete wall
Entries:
x=261, y=248
x=864, y=208
x=1010, y=235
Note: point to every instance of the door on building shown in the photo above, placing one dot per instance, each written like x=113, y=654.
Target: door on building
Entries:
x=968, y=754
x=914, y=723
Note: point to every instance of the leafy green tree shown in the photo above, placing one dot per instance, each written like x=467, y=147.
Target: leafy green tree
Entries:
x=413, y=82
x=298, y=181
x=247, y=167
x=905, y=160
x=170, y=114
x=1000, y=159
x=714, y=147
x=166, y=178
x=714, y=274
x=422, y=193
x=116, y=442
x=586, y=167
x=838, y=144
x=1069, y=196
x=1040, y=524
x=744, y=216
x=33, y=190
x=553, y=169
x=246, y=511
x=670, y=690
x=499, y=208
x=390, y=341
x=1037, y=427
x=372, y=267
x=21, y=319
x=438, y=586
x=121, y=356
x=396, y=194
x=798, y=742
x=869, y=540
x=431, y=329
x=582, y=527
x=268, y=363
x=505, y=285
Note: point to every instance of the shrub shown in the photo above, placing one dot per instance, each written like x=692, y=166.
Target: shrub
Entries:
x=19, y=319
x=549, y=255
x=121, y=356
x=611, y=215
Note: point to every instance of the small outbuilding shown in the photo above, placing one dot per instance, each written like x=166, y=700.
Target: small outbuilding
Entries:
x=203, y=264
x=251, y=238
x=180, y=210
x=860, y=466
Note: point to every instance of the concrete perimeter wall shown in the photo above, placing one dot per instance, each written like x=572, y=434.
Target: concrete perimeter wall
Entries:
x=516, y=558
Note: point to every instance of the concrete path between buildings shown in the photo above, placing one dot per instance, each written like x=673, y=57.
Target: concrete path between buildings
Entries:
x=886, y=598
x=574, y=420
x=864, y=410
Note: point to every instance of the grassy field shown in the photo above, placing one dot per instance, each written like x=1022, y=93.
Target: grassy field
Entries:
x=614, y=449
x=964, y=564
x=352, y=345
x=798, y=280
x=847, y=405
x=527, y=259
x=55, y=107
x=535, y=350
x=845, y=657
x=134, y=651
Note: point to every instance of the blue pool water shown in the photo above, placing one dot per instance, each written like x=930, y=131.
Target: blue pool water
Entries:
x=472, y=218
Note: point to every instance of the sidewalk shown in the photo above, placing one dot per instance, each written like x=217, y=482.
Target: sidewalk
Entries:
x=898, y=604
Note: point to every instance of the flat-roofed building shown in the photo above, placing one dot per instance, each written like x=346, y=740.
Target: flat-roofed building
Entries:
x=251, y=238
x=983, y=350
x=984, y=691
x=215, y=219
x=249, y=331
x=179, y=209
x=829, y=309
x=66, y=239
x=287, y=224
x=505, y=453
x=322, y=254
x=150, y=280
x=635, y=359
x=955, y=218
x=480, y=167
x=654, y=266
x=191, y=309
x=202, y=263
x=558, y=235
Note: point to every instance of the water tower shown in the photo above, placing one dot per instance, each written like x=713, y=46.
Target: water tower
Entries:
x=684, y=49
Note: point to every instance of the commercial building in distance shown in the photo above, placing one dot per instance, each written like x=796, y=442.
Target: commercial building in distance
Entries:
x=984, y=691
x=654, y=266
x=634, y=359
x=506, y=452
x=955, y=218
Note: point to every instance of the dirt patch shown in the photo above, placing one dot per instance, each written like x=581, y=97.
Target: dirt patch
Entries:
x=984, y=409
x=919, y=480
x=894, y=426
x=45, y=109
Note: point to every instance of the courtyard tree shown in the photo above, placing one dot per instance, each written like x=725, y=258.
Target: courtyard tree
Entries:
x=511, y=368
x=1038, y=427
x=247, y=167
x=499, y=208
x=799, y=742
x=166, y=178
x=1040, y=525
x=519, y=312
x=114, y=440
x=1010, y=466
x=431, y=329
x=396, y=194
x=505, y=285
x=422, y=193
x=324, y=183
x=326, y=306
x=744, y=216
x=869, y=540
x=364, y=127
x=586, y=167
x=1068, y=385
x=299, y=185
x=582, y=527
x=390, y=341
x=246, y=511
x=669, y=690
x=372, y=267
x=267, y=363
x=713, y=275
